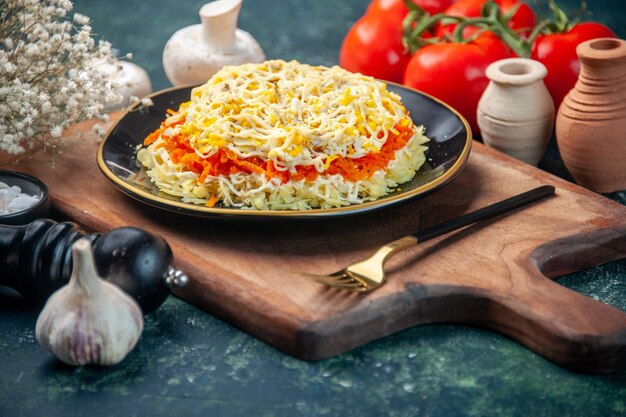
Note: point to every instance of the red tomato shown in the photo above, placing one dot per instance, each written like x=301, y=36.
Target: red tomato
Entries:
x=455, y=72
x=373, y=46
x=557, y=52
x=524, y=20
x=398, y=6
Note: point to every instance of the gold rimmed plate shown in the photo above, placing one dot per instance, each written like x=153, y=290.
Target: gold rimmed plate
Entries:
x=448, y=151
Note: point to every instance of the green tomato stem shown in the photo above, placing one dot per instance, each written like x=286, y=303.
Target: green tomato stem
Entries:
x=414, y=25
x=492, y=19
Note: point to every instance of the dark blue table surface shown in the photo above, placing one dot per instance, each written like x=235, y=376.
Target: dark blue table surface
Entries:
x=188, y=363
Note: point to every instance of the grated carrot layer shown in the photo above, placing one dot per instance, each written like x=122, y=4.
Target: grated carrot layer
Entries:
x=225, y=162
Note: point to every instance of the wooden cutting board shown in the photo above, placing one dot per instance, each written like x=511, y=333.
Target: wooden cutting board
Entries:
x=495, y=274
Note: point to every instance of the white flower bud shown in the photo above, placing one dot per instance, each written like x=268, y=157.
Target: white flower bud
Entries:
x=56, y=132
x=80, y=19
x=147, y=102
x=98, y=130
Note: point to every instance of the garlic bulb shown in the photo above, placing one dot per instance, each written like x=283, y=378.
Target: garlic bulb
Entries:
x=89, y=321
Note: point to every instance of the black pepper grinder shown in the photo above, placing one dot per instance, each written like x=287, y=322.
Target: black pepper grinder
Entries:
x=36, y=260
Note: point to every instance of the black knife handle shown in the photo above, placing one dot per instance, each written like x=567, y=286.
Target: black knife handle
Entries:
x=484, y=213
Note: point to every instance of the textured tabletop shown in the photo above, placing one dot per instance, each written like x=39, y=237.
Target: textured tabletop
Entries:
x=189, y=363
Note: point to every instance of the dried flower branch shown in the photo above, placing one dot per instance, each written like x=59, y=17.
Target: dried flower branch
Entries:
x=49, y=76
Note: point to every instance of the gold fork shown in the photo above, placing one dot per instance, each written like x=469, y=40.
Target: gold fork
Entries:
x=369, y=274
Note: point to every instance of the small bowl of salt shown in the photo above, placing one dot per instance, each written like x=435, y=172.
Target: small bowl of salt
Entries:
x=23, y=198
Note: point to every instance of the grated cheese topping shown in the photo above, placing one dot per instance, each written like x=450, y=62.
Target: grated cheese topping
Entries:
x=289, y=117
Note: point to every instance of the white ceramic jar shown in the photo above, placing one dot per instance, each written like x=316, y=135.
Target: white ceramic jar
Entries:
x=516, y=112
x=193, y=54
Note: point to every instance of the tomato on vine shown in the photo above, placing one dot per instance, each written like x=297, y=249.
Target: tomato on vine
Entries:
x=556, y=49
x=373, y=45
x=522, y=18
x=454, y=72
x=551, y=42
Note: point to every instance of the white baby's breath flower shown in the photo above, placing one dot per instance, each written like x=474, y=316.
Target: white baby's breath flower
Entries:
x=98, y=130
x=80, y=19
x=48, y=71
x=72, y=102
x=56, y=132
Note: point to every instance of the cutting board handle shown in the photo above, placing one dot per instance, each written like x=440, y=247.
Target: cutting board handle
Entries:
x=563, y=325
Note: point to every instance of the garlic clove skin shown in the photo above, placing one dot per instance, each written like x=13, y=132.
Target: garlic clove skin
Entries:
x=89, y=321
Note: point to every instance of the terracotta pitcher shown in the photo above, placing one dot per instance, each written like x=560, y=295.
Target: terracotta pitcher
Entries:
x=591, y=122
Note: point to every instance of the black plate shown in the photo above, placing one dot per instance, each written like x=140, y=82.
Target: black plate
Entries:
x=448, y=150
